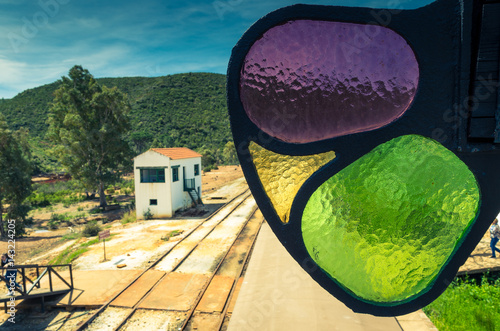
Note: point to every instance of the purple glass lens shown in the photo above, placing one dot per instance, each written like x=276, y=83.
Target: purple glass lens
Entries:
x=306, y=80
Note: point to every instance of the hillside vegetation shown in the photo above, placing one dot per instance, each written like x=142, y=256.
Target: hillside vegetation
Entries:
x=183, y=110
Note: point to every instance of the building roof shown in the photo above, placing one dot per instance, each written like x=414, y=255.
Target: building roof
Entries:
x=177, y=153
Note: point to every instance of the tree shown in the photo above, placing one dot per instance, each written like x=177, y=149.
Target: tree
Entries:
x=88, y=123
x=157, y=144
x=140, y=139
x=15, y=179
x=208, y=160
x=229, y=153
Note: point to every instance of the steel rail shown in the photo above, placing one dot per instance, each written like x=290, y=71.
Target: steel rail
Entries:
x=235, y=284
x=106, y=305
x=204, y=289
x=134, y=309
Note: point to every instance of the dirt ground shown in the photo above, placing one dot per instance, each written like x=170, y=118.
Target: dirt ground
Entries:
x=41, y=245
x=131, y=246
x=215, y=179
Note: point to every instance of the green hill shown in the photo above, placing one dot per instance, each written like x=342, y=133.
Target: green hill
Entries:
x=183, y=110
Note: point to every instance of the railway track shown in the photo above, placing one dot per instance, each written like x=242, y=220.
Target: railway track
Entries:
x=192, y=284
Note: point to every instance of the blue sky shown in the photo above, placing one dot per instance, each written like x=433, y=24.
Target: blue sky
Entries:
x=40, y=40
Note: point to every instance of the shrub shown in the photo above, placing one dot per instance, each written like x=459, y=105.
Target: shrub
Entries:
x=79, y=215
x=44, y=195
x=91, y=229
x=56, y=220
x=53, y=225
x=467, y=305
x=148, y=214
x=127, y=184
x=128, y=217
x=16, y=219
x=110, y=189
x=38, y=200
x=19, y=228
x=64, y=217
x=28, y=221
x=55, y=217
x=71, y=199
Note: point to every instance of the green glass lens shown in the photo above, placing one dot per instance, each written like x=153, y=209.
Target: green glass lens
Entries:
x=384, y=226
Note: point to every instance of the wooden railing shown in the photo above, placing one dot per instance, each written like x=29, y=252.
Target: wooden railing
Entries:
x=41, y=271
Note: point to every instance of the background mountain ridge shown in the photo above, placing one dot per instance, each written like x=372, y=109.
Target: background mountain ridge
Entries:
x=181, y=110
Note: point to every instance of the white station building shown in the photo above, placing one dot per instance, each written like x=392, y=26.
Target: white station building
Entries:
x=166, y=180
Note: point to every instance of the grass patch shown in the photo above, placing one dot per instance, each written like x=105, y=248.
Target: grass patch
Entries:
x=467, y=304
x=96, y=241
x=172, y=234
x=35, y=252
x=128, y=217
x=73, y=255
x=71, y=236
x=68, y=255
x=74, y=251
x=95, y=210
x=90, y=242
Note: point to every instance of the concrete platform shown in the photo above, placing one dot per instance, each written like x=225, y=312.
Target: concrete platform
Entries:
x=131, y=296
x=93, y=288
x=277, y=294
x=480, y=261
x=35, y=293
x=237, y=290
x=175, y=292
x=216, y=295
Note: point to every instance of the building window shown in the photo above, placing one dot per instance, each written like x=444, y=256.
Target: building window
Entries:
x=196, y=169
x=175, y=174
x=153, y=202
x=152, y=175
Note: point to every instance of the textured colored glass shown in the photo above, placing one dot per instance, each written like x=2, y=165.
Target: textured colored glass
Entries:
x=305, y=80
x=384, y=226
x=283, y=175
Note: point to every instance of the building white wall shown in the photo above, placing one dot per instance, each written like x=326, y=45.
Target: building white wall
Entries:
x=144, y=192
x=170, y=195
x=181, y=199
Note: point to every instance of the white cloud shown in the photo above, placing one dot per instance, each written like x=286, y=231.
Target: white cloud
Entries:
x=88, y=22
x=130, y=38
x=19, y=76
x=11, y=71
x=91, y=58
x=11, y=2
